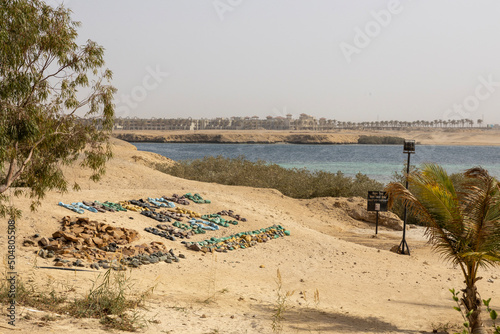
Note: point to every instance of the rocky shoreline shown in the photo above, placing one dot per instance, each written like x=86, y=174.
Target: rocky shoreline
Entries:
x=467, y=137
x=239, y=138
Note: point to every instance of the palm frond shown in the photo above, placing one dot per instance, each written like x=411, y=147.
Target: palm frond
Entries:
x=463, y=226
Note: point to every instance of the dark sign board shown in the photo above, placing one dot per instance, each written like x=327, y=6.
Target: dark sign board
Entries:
x=377, y=201
x=409, y=146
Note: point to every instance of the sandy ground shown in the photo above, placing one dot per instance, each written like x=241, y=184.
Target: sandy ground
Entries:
x=362, y=286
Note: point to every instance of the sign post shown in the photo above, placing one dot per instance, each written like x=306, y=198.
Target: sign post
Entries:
x=377, y=201
x=408, y=147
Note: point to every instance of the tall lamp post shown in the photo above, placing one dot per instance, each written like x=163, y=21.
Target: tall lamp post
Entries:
x=409, y=147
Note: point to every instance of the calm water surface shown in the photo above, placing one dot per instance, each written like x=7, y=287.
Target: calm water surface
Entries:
x=377, y=161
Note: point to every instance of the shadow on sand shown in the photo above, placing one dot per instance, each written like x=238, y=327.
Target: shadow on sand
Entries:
x=311, y=320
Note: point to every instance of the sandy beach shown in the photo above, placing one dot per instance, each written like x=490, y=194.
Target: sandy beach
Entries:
x=362, y=286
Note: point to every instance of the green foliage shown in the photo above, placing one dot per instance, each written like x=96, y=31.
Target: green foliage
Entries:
x=458, y=180
x=45, y=79
x=296, y=183
x=398, y=205
x=466, y=325
x=493, y=315
x=467, y=328
x=381, y=140
x=108, y=301
x=463, y=222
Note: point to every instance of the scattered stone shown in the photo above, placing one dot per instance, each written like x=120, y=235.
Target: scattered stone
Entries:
x=395, y=249
x=177, y=199
x=43, y=253
x=28, y=243
x=240, y=240
x=43, y=242
x=231, y=214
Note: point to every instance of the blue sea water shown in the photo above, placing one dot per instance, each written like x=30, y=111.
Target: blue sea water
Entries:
x=376, y=161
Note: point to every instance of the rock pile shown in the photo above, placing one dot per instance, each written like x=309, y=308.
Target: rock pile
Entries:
x=169, y=232
x=100, y=244
x=196, y=198
x=177, y=199
x=184, y=211
x=240, y=240
x=231, y=214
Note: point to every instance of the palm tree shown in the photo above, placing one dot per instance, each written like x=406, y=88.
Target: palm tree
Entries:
x=463, y=223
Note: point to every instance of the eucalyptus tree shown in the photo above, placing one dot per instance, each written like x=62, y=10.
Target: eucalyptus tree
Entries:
x=56, y=101
x=463, y=223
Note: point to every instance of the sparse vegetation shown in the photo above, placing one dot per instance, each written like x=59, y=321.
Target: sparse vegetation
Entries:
x=281, y=304
x=45, y=299
x=296, y=183
x=381, y=140
x=107, y=300
x=212, y=281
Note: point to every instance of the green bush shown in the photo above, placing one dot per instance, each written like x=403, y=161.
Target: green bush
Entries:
x=378, y=140
x=295, y=182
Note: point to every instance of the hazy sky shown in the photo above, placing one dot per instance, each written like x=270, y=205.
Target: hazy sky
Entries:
x=346, y=60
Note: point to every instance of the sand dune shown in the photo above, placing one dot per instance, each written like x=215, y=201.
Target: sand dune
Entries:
x=363, y=287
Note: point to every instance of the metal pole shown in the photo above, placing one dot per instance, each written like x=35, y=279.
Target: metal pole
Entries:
x=376, y=224
x=403, y=243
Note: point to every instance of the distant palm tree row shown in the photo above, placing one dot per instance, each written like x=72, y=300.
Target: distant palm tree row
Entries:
x=437, y=123
x=304, y=122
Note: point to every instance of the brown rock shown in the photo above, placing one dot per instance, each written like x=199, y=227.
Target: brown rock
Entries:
x=77, y=229
x=66, y=221
x=28, y=243
x=43, y=242
x=83, y=220
x=118, y=234
x=70, y=237
x=133, y=235
x=387, y=219
x=98, y=241
x=103, y=227
x=57, y=234
x=129, y=251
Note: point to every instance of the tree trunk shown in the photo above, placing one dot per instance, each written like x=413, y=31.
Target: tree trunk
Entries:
x=472, y=301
